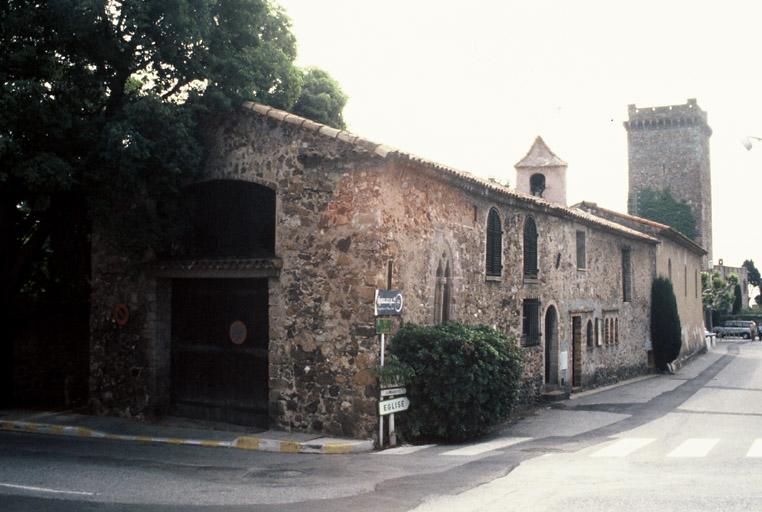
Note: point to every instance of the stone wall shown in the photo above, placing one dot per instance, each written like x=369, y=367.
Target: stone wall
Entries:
x=346, y=212
x=686, y=268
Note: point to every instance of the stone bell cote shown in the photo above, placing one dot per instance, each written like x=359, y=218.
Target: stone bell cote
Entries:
x=541, y=173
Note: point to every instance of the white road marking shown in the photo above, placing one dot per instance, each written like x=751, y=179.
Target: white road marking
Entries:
x=756, y=449
x=477, y=449
x=45, y=489
x=623, y=447
x=693, y=448
x=404, y=450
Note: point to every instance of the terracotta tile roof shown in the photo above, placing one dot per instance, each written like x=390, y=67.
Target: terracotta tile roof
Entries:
x=656, y=227
x=463, y=178
x=540, y=155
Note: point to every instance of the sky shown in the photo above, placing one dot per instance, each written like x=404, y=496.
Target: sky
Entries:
x=471, y=84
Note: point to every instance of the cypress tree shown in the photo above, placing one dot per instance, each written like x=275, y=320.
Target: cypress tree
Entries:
x=665, y=323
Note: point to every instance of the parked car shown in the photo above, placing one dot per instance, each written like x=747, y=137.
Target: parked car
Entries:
x=745, y=329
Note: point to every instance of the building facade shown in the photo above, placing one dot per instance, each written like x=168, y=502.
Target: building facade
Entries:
x=266, y=316
x=678, y=259
x=668, y=149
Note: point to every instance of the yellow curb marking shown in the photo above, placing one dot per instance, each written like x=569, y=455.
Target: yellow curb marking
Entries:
x=289, y=447
x=337, y=448
x=247, y=443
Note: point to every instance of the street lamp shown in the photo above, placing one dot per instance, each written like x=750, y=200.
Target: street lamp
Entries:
x=748, y=141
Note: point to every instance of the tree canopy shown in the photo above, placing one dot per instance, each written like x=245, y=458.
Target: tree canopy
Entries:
x=660, y=206
x=103, y=106
x=103, y=101
x=322, y=99
x=718, y=293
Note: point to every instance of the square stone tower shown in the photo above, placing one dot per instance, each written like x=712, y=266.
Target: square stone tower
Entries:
x=669, y=149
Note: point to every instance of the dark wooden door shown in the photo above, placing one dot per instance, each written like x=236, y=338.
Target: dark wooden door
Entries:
x=219, y=350
x=576, y=351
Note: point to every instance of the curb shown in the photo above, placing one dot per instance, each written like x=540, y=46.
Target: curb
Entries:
x=242, y=443
x=594, y=391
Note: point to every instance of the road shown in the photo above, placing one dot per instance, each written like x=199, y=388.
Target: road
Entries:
x=690, y=441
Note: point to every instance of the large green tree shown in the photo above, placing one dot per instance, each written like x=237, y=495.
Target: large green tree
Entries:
x=322, y=99
x=103, y=105
x=661, y=206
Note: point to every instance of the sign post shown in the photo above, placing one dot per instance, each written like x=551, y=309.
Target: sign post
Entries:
x=388, y=303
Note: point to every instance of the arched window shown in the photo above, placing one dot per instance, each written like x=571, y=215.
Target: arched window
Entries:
x=442, y=292
x=537, y=184
x=669, y=269
x=494, y=244
x=590, y=341
x=530, y=248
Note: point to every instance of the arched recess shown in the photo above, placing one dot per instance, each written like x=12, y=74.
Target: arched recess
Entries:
x=551, y=346
x=537, y=184
x=219, y=342
x=443, y=291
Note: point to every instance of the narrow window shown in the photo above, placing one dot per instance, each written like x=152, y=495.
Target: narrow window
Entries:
x=685, y=280
x=530, y=330
x=494, y=244
x=626, y=275
x=530, y=248
x=442, y=292
x=695, y=283
x=598, y=332
x=606, y=331
x=589, y=333
x=581, y=250
x=669, y=269
x=616, y=330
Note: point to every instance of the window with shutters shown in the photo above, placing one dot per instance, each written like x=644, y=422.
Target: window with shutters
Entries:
x=598, y=341
x=494, y=244
x=530, y=248
x=581, y=251
x=589, y=333
x=530, y=330
x=626, y=275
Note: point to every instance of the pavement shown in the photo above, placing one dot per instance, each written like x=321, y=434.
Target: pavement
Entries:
x=175, y=431
x=180, y=431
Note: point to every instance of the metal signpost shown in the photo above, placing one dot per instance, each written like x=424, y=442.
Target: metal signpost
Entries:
x=388, y=303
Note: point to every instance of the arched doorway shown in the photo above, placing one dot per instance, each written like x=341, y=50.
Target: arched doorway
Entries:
x=220, y=319
x=551, y=346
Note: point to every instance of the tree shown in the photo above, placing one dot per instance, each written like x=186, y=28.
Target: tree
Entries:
x=666, y=332
x=737, y=299
x=322, y=99
x=103, y=106
x=752, y=272
x=660, y=206
x=717, y=293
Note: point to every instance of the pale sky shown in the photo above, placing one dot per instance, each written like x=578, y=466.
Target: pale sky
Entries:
x=471, y=84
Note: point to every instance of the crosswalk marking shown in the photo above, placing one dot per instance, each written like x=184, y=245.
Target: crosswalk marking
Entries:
x=756, y=449
x=693, y=448
x=623, y=447
x=405, y=450
x=477, y=449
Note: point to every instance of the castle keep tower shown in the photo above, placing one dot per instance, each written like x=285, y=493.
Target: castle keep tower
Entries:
x=541, y=173
x=669, y=149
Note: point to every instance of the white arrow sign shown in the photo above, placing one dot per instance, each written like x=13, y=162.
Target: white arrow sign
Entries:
x=392, y=406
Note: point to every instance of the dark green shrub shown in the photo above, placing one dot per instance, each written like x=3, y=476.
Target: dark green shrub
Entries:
x=466, y=379
x=737, y=299
x=665, y=323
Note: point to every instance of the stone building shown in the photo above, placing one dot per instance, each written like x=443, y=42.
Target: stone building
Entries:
x=680, y=260
x=743, y=278
x=669, y=149
x=267, y=318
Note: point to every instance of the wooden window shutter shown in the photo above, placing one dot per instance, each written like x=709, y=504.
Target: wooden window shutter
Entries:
x=494, y=244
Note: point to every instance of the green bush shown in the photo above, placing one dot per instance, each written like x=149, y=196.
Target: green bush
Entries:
x=465, y=379
x=665, y=323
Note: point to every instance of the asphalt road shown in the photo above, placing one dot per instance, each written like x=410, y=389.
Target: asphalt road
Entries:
x=692, y=441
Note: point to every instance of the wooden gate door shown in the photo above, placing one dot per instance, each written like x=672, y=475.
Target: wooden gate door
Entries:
x=219, y=350
x=576, y=351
